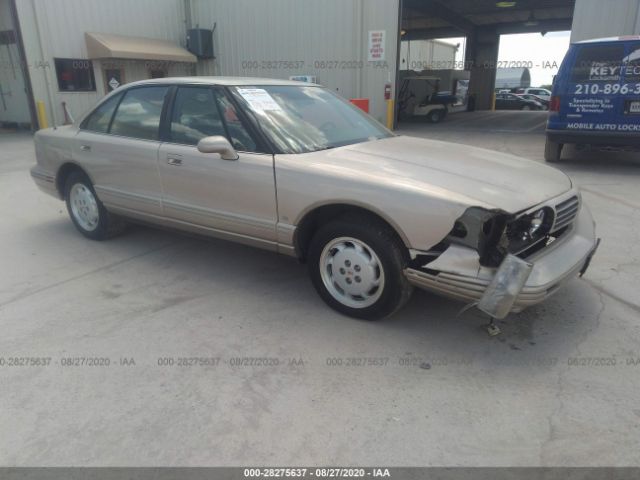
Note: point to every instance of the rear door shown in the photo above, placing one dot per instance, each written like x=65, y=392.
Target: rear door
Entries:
x=233, y=197
x=601, y=89
x=120, y=150
x=631, y=82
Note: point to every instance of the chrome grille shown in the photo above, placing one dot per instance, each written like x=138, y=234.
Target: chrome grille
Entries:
x=566, y=212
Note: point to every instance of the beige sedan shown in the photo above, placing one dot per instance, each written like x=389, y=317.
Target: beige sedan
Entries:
x=293, y=168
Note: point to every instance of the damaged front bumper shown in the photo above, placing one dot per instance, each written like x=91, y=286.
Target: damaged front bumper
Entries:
x=457, y=272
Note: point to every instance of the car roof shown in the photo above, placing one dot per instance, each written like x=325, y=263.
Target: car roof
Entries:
x=226, y=81
x=623, y=38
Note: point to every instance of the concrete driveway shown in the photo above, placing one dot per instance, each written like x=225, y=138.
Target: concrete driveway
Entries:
x=278, y=378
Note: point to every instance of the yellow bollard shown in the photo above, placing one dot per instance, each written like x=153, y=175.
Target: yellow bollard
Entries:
x=390, y=114
x=42, y=115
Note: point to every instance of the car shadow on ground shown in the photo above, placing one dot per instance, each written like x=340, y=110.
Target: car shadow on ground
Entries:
x=599, y=161
x=210, y=270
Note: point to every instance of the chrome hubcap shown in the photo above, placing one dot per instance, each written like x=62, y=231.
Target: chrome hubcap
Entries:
x=84, y=207
x=352, y=272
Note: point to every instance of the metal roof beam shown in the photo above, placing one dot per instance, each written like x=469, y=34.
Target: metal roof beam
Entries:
x=438, y=9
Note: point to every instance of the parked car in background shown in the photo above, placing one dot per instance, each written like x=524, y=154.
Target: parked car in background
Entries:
x=596, y=96
x=538, y=92
x=511, y=101
x=535, y=98
x=295, y=169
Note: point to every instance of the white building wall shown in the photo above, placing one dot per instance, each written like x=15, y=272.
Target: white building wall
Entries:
x=610, y=18
x=14, y=106
x=53, y=29
x=427, y=55
x=281, y=38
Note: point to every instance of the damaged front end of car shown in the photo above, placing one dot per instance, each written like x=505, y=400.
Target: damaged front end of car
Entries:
x=489, y=256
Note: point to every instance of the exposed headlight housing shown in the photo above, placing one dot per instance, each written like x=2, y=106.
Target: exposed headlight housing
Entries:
x=528, y=229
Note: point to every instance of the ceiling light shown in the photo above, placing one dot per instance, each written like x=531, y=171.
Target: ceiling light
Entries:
x=505, y=4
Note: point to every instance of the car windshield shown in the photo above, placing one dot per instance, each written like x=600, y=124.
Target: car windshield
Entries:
x=306, y=118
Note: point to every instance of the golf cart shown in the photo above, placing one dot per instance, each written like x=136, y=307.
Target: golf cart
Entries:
x=421, y=97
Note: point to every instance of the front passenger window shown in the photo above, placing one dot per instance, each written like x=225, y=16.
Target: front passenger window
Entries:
x=195, y=116
x=138, y=115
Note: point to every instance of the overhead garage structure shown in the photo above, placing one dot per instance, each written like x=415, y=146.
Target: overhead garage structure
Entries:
x=482, y=22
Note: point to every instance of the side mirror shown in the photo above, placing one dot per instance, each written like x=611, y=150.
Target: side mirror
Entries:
x=218, y=144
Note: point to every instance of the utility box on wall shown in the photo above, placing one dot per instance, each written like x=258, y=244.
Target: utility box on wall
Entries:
x=200, y=42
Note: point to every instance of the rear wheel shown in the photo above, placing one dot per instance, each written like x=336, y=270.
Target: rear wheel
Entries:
x=436, y=116
x=526, y=107
x=552, y=151
x=356, y=265
x=86, y=211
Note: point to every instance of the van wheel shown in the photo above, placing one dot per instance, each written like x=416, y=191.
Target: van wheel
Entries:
x=552, y=151
x=357, y=267
x=436, y=116
x=86, y=210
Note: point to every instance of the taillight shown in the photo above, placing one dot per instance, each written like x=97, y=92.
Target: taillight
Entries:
x=554, y=104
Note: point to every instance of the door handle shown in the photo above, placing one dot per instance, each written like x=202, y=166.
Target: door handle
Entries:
x=85, y=148
x=175, y=160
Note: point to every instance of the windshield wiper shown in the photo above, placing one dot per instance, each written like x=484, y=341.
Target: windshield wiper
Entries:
x=324, y=147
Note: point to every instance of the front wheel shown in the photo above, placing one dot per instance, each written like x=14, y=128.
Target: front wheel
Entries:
x=526, y=107
x=356, y=265
x=436, y=116
x=86, y=211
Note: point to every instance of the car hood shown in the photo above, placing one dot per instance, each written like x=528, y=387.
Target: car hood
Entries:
x=486, y=177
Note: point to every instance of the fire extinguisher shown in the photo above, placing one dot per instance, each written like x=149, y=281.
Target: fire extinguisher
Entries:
x=387, y=91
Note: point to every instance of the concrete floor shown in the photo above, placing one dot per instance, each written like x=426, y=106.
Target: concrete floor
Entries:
x=445, y=394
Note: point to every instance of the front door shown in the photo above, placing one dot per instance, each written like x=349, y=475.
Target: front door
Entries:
x=233, y=197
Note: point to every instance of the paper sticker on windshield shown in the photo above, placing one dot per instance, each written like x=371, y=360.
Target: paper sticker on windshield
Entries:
x=259, y=99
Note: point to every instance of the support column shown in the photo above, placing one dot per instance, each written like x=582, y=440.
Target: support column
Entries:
x=481, y=58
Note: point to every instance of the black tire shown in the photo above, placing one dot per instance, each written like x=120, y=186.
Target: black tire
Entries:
x=108, y=225
x=436, y=116
x=386, y=246
x=552, y=151
x=526, y=107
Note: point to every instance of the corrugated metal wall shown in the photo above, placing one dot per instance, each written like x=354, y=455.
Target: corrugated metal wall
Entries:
x=598, y=18
x=281, y=38
x=325, y=38
x=14, y=106
x=56, y=29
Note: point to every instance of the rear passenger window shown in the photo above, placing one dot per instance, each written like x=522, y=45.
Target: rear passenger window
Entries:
x=138, y=115
x=99, y=120
x=598, y=63
x=195, y=116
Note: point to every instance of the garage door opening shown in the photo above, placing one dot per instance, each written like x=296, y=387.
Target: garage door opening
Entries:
x=477, y=26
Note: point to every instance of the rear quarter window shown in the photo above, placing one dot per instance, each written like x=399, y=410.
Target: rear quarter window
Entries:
x=598, y=63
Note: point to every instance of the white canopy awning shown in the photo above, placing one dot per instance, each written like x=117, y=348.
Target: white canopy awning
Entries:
x=106, y=45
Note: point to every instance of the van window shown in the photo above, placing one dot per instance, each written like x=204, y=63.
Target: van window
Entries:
x=138, y=115
x=598, y=63
x=632, y=67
